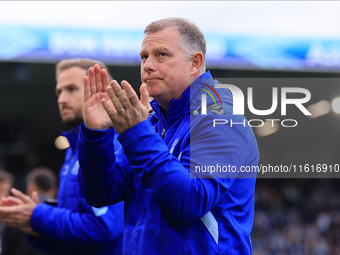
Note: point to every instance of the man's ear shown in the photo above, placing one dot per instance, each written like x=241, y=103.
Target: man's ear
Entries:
x=196, y=62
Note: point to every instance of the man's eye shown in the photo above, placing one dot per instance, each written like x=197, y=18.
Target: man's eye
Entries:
x=143, y=57
x=162, y=54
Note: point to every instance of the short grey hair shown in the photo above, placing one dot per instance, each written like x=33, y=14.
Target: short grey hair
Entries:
x=192, y=39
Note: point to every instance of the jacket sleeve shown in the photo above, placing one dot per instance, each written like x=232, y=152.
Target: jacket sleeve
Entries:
x=168, y=178
x=91, y=228
x=103, y=172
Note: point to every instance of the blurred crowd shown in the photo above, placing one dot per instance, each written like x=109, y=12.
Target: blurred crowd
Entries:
x=296, y=217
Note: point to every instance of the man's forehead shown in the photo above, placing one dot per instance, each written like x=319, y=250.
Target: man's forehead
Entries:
x=160, y=39
x=156, y=48
x=71, y=75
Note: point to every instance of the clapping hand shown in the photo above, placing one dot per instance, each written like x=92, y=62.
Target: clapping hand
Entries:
x=122, y=107
x=17, y=211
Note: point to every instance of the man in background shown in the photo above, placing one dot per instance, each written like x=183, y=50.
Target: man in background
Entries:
x=43, y=181
x=6, y=183
x=73, y=226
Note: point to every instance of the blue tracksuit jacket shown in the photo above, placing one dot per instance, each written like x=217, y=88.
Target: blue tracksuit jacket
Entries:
x=170, y=206
x=74, y=227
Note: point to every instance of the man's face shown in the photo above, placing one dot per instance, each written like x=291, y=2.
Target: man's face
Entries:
x=5, y=187
x=165, y=68
x=70, y=92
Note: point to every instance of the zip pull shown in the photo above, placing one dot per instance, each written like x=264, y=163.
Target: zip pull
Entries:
x=163, y=133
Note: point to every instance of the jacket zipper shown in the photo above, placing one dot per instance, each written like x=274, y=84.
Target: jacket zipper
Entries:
x=163, y=133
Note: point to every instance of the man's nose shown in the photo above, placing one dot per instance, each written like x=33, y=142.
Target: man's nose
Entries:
x=149, y=65
x=62, y=98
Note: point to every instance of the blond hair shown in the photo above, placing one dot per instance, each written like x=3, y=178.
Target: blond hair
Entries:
x=80, y=62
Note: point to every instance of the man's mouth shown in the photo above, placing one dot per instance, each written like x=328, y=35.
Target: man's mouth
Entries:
x=152, y=79
x=66, y=110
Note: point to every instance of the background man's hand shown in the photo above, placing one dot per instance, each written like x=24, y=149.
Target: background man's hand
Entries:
x=10, y=201
x=95, y=84
x=16, y=213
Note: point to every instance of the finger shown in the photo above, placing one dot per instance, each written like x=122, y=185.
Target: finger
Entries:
x=2, y=201
x=121, y=95
x=10, y=201
x=20, y=195
x=131, y=93
x=3, y=209
x=105, y=79
x=112, y=115
x=35, y=197
x=99, y=84
x=87, y=91
x=92, y=80
x=115, y=101
x=13, y=222
x=9, y=222
x=144, y=95
x=5, y=201
x=6, y=210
